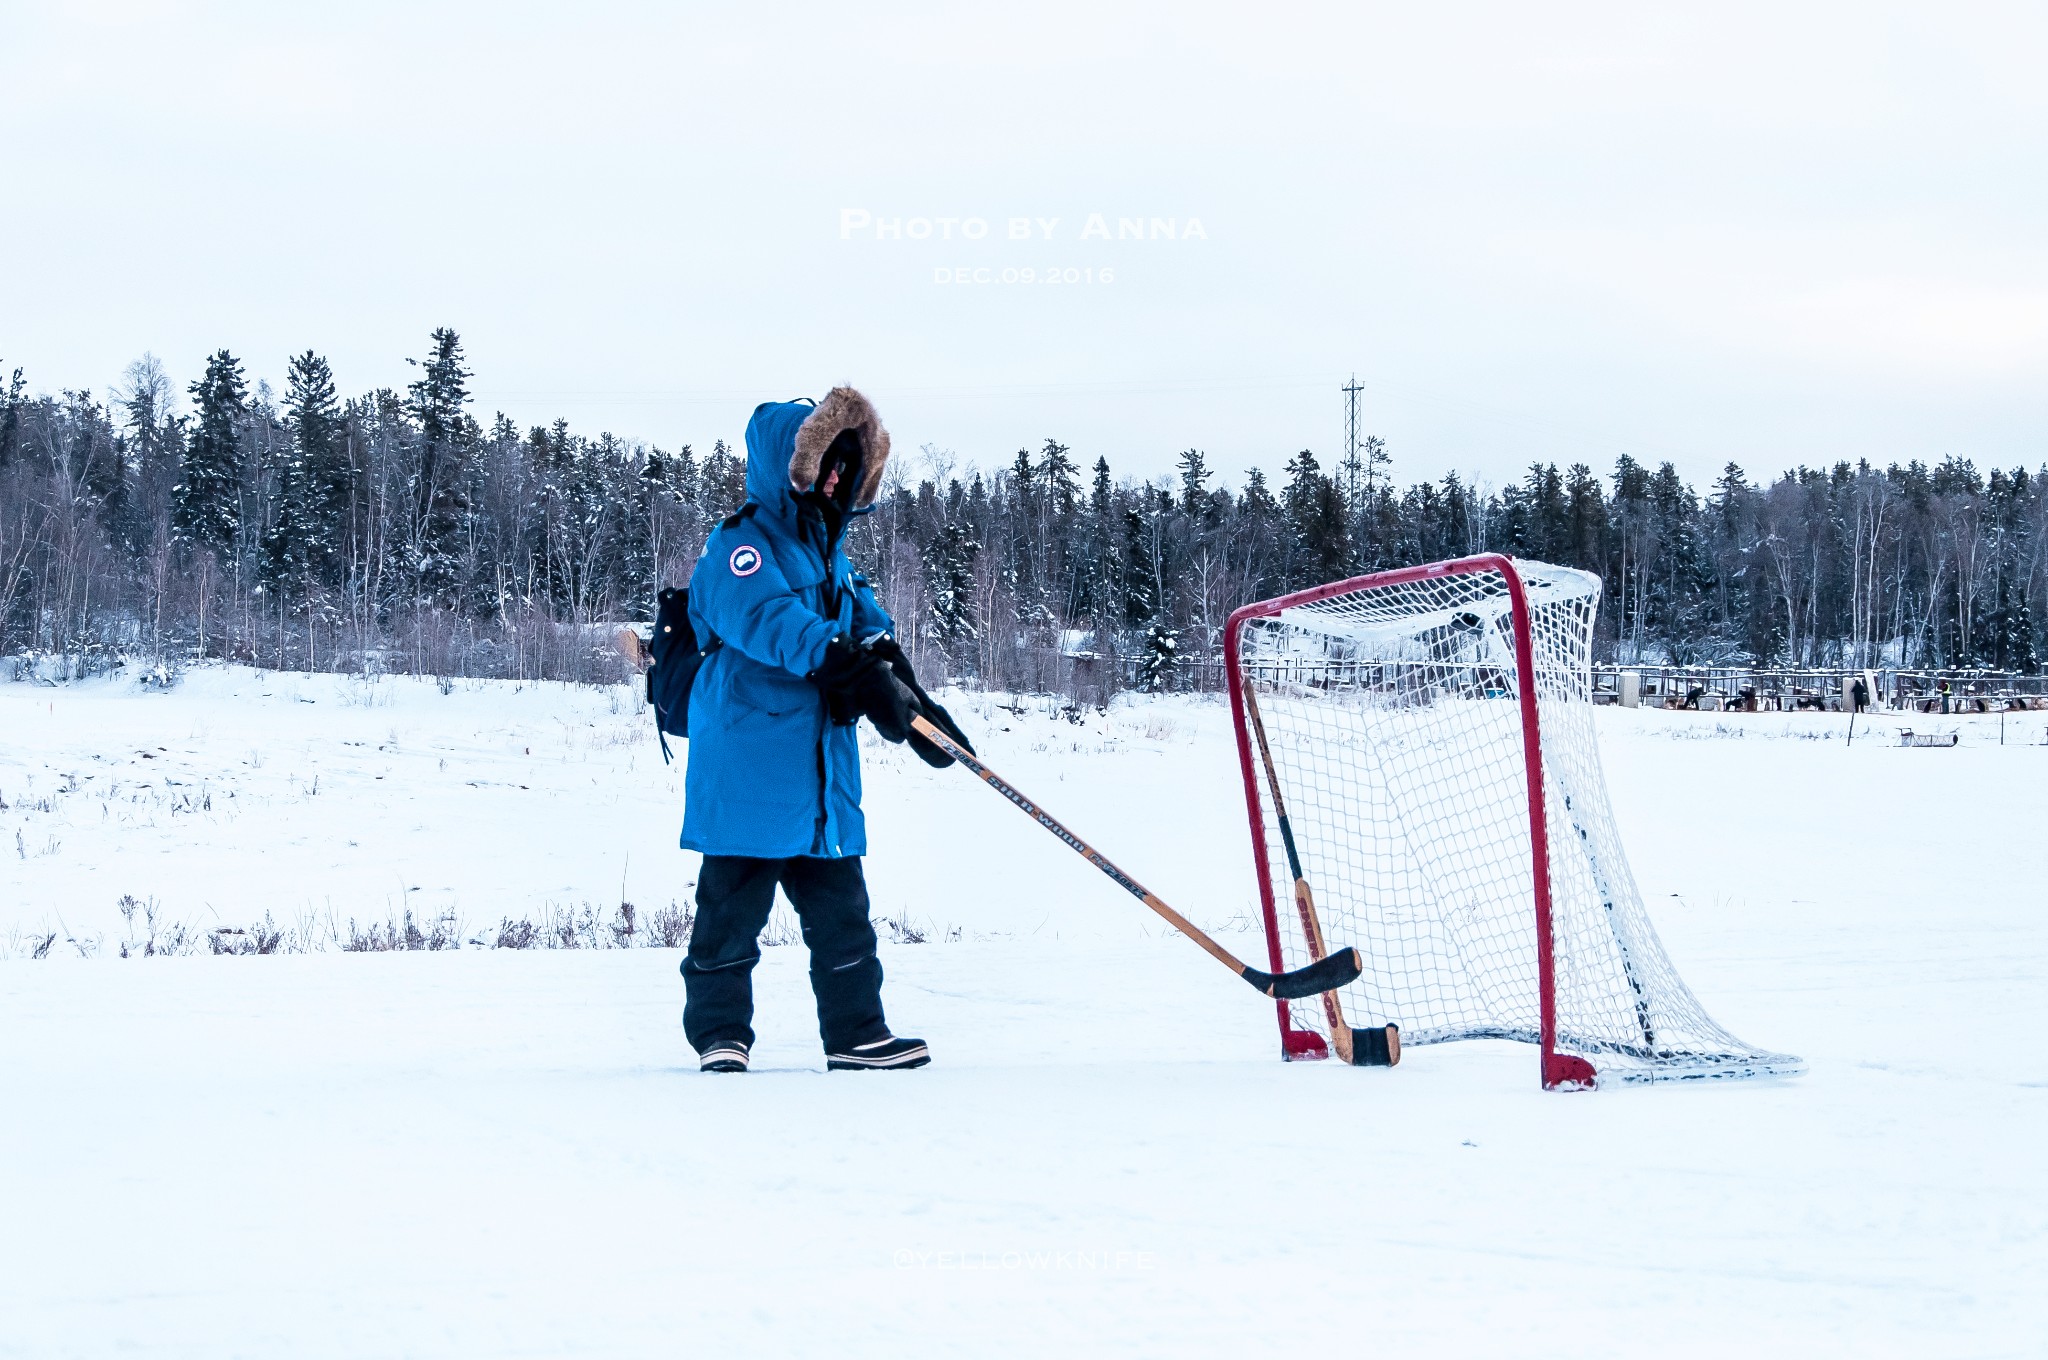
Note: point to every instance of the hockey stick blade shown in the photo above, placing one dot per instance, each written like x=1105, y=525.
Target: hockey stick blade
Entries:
x=1326, y=974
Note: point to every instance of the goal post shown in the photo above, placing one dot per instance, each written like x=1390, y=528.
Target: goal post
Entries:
x=1430, y=730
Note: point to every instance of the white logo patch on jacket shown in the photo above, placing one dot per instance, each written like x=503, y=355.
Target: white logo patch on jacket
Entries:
x=745, y=560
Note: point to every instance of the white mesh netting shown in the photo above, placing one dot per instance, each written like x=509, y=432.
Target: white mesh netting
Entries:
x=1394, y=720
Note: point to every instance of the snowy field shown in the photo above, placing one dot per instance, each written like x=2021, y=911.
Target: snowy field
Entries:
x=486, y=1152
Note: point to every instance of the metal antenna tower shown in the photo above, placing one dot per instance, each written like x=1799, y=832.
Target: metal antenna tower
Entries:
x=1351, y=438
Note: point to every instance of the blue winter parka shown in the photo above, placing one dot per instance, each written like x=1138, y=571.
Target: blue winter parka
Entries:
x=768, y=776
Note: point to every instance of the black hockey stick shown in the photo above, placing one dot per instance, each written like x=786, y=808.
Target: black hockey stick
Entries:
x=1325, y=974
x=1379, y=1046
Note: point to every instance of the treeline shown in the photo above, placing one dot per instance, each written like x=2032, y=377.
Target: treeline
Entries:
x=393, y=530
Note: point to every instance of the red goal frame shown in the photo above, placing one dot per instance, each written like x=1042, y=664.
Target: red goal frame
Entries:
x=1559, y=1070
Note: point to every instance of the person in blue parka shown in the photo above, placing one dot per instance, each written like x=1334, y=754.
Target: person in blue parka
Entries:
x=800, y=651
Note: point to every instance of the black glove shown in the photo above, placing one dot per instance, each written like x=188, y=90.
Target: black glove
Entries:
x=856, y=683
x=929, y=751
x=834, y=678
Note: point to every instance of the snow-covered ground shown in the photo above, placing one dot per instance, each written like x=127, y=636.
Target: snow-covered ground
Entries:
x=496, y=1152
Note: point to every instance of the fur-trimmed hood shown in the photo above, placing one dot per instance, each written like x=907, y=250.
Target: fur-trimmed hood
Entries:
x=786, y=442
x=842, y=409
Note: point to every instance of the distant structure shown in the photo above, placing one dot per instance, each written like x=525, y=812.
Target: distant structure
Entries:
x=1351, y=463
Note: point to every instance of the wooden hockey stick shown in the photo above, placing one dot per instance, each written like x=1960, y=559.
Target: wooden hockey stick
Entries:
x=1374, y=1047
x=1332, y=970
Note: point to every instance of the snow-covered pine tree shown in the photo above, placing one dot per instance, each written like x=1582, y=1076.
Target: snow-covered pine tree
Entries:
x=1194, y=477
x=1140, y=601
x=1365, y=478
x=1155, y=663
x=10, y=418
x=312, y=413
x=1060, y=570
x=1104, y=568
x=97, y=462
x=724, y=481
x=1017, y=515
x=1259, y=516
x=1547, y=525
x=206, y=509
x=641, y=482
x=1315, y=512
x=444, y=438
x=2009, y=644
x=1058, y=477
x=1585, y=538
x=556, y=455
x=949, y=584
x=284, y=559
x=2020, y=654
x=679, y=477
x=615, y=521
x=152, y=437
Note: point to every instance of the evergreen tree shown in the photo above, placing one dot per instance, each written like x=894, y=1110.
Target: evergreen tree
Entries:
x=1194, y=474
x=323, y=486
x=1156, y=661
x=1140, y=600
x=1585, y=536
x=1022, y=482
x=206, y=510
x=1368, y=490
x=725, y=481
x=1315, y=513
x=1301, y=499
x=1378, y=462
x=2009, y=628
x=10, y=419
x=1015, y=512
x=1059, y=568
x=1058, y=478
x=632, y=487
x=1547, y=527
x=2017, y=650
x=949, y=584
x=93, y=461
x=1329, y=542
x=1259, y=517
x=285, y=546
x=445, y=436
x=1461, y=535
x=1424, y=536
x=1104, y=570
x=686, y=479
x=1100, y=491
x=151, y=436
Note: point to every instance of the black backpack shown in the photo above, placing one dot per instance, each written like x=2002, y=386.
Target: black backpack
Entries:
x=678, y=656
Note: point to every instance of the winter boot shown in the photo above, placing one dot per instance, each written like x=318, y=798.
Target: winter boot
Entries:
x=885, y=1052
x=725, y=1056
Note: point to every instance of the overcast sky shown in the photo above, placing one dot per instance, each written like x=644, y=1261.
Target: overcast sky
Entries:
x=1771, y=233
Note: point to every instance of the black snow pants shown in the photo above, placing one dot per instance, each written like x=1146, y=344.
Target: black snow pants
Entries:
x=734, y=897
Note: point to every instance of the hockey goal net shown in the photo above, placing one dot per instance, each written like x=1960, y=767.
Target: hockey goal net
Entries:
x=1430, y=734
